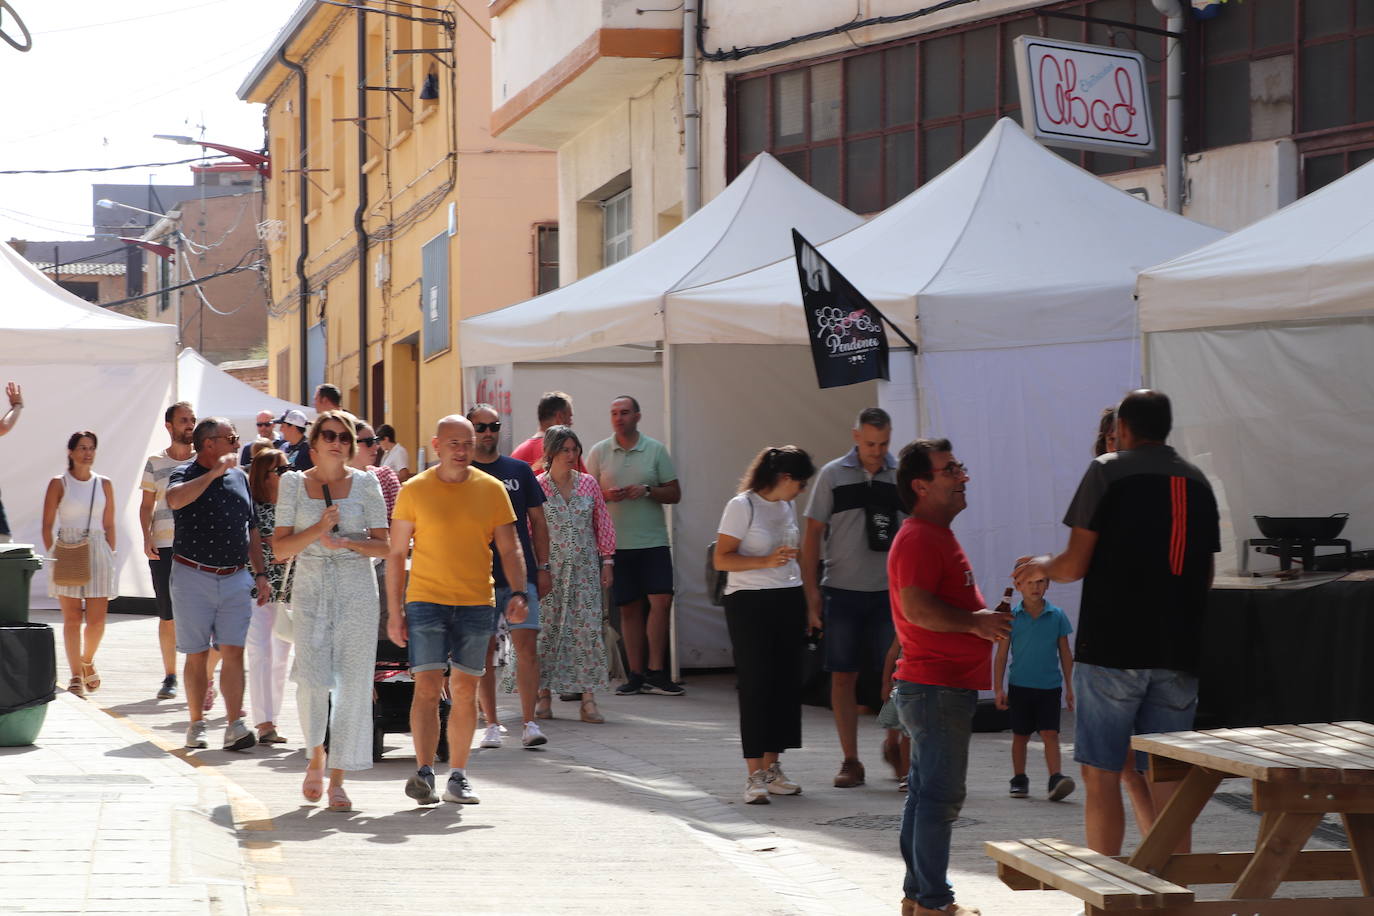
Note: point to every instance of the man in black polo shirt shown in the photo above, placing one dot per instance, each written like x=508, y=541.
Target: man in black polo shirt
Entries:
x=1143, y=529
x=212, y=588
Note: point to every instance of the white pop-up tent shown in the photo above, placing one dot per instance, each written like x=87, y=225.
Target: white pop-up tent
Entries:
x=1014, y=271
x=1265, y=340
x=215, y=393
x=715, y=405
x=81, y=367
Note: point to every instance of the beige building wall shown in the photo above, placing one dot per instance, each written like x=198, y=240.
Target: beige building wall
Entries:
x=431, y=166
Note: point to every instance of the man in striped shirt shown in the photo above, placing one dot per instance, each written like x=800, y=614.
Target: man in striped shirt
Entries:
x=1143, y=529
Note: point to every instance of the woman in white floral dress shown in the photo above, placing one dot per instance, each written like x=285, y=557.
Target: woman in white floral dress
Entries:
x=572, y=652
x=332, y=519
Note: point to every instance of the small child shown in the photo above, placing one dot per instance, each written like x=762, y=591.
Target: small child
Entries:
x=1041, y=664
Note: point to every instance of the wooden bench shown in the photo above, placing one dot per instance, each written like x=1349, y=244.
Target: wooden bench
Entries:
x=1099, y=881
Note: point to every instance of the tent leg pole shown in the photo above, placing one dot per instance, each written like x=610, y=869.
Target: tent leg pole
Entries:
x=668, y=394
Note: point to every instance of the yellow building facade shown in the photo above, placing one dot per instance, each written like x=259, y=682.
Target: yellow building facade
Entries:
x=391, y=212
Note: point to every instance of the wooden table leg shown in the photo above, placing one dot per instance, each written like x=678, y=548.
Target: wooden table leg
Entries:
x=1360, y=829
x=1174, y=822
x=1274, y=854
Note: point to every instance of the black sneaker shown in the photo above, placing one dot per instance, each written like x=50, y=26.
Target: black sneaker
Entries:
x=421, y=786
x=1020, y=786
x=168, y=690
x=1060, y=786
x=658, y=682
x=571, y=697
x=631, y=687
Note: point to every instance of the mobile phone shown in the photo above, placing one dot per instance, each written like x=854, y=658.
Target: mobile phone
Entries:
x=329, y=501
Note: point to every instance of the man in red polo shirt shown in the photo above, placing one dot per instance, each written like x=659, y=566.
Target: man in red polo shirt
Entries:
x=945, y=629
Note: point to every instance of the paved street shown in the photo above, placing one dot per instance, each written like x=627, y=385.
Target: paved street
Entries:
x=640, y=813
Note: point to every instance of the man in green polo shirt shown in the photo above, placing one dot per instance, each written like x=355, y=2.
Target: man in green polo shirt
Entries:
x=638, y=479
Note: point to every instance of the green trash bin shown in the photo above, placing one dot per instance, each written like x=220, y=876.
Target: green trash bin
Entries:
x=18, y=563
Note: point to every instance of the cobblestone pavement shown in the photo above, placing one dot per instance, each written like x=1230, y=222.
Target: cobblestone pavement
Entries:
x=640, y=814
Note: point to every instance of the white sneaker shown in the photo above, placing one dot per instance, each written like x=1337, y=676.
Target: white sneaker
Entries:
x=778, y=783
x=533, y=737
x=756, y=789
x=491, y=737
x=195, y=735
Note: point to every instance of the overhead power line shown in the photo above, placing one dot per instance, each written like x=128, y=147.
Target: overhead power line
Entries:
x=112, y=168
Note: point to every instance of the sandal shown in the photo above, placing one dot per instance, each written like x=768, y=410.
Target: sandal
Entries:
x=313, y=786
x=90, y=677
x=77, y=687
x=338, y=800
x=591, y=714
x=270, y=736
x=543, y=707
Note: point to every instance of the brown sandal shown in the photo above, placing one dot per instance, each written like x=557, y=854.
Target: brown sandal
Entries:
x=77, y=687
x=590, y=713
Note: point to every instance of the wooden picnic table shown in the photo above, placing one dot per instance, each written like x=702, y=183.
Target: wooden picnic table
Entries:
x=1299, y=773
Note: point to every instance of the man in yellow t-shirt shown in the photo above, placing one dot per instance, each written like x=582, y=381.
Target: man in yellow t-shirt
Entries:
x=448, y=517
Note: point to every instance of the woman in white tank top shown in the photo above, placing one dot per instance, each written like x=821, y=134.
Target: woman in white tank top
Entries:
x=81, y=503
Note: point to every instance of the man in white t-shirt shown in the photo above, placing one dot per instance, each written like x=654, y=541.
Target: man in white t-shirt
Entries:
x=396, y=457
x=159, y=527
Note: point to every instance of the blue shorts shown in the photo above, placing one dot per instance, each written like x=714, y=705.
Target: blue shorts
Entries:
x=641, y=572
x=1112, y=704
x=210, y=609
x=858, y=629
x=503, y=594
x=440, y=634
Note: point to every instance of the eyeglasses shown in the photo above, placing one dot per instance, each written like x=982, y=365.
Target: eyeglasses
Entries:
x=281, y=469
x=332, y=435
x=483, y=427
x=955, y=469
x=368, y=441
x=233, y=440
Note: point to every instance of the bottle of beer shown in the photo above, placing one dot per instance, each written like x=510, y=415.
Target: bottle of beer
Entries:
x=1005, y=606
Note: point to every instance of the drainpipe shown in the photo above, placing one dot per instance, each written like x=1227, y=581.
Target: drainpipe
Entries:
x=1173, y=112
x=359, y=224
x=691, y=115
x=303, y=192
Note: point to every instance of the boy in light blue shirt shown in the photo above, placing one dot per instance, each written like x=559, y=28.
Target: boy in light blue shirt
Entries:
x=1041, y=666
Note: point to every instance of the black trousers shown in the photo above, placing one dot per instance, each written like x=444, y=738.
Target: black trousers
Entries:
x=767, y=633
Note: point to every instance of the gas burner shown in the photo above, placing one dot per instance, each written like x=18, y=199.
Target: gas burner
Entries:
x=1304, y=550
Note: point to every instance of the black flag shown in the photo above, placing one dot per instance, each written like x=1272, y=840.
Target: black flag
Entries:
x=848, y=342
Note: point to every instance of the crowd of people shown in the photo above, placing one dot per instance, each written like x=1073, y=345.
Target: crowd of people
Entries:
x=482, y=559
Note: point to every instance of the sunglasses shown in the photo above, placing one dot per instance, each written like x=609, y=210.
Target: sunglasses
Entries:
x=233, y=440
x=332, y=435
x=484, y=427
x=268, y=425
x=368, y=441
x=281, y=469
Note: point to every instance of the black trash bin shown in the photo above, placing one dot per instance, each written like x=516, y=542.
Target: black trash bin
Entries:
x=28, y=680
x=17, y=566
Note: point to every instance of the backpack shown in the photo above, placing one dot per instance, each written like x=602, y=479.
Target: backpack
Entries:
x=715, y=579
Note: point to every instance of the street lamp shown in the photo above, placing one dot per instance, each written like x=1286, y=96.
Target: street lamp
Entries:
x=108, y=204
x=257, y=160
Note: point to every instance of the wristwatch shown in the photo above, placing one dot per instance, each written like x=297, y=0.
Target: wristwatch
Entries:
x=543, y=567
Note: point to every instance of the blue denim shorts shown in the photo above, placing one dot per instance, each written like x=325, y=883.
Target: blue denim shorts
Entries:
x=437, y=634
x=210, y=609
x=858, y=629
x=1112, y=704
x=503, y=594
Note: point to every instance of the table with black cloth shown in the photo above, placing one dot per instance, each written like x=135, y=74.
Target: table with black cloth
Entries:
x=1288, y=654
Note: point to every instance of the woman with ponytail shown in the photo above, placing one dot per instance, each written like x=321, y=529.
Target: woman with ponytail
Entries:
x=765, y=610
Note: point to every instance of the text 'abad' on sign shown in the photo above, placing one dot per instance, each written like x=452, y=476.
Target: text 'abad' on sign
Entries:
x=1084, y=96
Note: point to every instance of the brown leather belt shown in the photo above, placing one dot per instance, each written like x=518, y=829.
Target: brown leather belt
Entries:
x=216, y=570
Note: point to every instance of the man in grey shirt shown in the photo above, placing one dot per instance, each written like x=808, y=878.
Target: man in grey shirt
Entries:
x=850, y=522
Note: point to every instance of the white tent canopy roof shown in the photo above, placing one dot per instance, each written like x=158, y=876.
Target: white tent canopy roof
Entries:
x=746, y=225
x=215, y=393
x=1313, y=259
x=1010, y=229
x=44, y=324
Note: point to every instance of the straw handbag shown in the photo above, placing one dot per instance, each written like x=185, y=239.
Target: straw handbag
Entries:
x=72, y=562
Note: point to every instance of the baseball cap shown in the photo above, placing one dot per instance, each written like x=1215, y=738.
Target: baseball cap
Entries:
x=294, y=418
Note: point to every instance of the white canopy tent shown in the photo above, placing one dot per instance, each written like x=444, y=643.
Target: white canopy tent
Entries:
x=1264, y=338
x=612, y=332
x=1013, y=270
x=215, y=393
x=81, y=367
